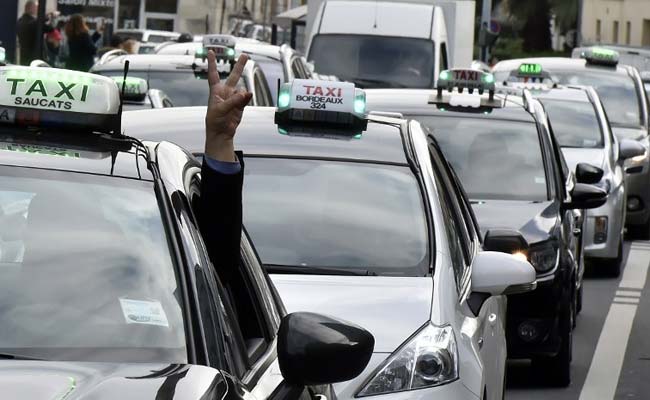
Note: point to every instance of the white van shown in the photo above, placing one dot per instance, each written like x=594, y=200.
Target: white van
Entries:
x=380, y=44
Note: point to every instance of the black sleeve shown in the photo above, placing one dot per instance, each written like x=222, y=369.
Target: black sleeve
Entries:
x=87, y=44
x=220, y=217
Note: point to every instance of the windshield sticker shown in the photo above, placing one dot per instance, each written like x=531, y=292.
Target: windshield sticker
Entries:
x=39, y=149
x=540, y=180
x=148, y=312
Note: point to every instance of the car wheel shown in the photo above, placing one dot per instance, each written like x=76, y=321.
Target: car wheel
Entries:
x=557, y=370
x=579, y=300
x=613, y=265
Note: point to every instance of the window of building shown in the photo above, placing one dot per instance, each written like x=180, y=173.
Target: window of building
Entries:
x=628, y=32
x=615, y=32
x=161, y=6
x=645, y=38
x=598, y=26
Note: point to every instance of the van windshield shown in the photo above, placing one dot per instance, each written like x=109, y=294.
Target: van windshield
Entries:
x=375, y=61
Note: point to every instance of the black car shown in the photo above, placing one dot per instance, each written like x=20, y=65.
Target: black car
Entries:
x=502, y=149
x=106, y=287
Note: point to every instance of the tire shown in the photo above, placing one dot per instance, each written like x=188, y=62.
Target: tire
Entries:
x=557, y=370
x=612, y=266
x=579, y=300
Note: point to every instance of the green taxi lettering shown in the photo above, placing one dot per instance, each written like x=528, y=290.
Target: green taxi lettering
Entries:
x=69, y=90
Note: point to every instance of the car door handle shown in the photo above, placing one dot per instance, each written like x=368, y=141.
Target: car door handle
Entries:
x=576, y=231
x=480, y=343
x=492, y=319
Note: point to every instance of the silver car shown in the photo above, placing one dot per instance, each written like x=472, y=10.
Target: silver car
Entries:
x=582, y=129
x=626, y=105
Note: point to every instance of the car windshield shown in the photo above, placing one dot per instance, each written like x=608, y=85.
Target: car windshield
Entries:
x=335, y=214
x=274, y=71
x=184, y=88
x=575, y=123
x=86, y=273
x=375, y=61
x=617, y=91
x=494, y=159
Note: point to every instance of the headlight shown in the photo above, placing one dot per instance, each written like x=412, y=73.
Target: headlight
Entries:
x=543, y=258
x=428, y=359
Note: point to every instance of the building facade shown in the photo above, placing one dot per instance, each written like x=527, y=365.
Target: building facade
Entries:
x=623, y=22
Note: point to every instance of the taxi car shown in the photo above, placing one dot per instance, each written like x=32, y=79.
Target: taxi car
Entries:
x=360, y=217
x=182, y=77
x=515, y=176
x=105, y=282
x=279, y=63
x=582, y=129
x=137, y=95
x=621, y=91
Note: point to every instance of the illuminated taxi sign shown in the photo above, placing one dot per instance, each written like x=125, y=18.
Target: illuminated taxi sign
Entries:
x=461, y=79
x=135, y=89
x=222, y=45
x=469, y=79
x=533, y=70
x=600, y=56
x=322, y=103
x=54, y=97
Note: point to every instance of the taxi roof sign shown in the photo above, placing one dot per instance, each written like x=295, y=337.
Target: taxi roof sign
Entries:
x=600, y=56
x=222, y=45
x=321, y=103
x=469, y=79
x=528, y=74
x=46, y=97
x=135, y=89
x=461, y=79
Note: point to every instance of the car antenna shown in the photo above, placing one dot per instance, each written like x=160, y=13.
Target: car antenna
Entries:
x=118, y=131
x=278, y=95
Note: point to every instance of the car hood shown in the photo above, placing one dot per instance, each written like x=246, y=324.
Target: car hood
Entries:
x=629, y=133
x=391, y=308
x=53, y=380
x=574, y=156
x=534, y=220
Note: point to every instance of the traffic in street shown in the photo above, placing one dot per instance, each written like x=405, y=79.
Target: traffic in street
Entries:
x=382, y=200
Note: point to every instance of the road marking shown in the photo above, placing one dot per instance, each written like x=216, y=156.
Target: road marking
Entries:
x=605, y=369
x=628, y=293
x=628, y=300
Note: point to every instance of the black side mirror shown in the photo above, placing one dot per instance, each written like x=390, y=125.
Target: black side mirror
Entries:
x=587, y=173
x=629, y=148
x=314, y=349
x=586, y=197
x=505, y=241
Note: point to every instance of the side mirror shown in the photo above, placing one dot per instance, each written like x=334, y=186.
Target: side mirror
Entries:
x=505, y=241
x=586, y=197
x=497, y=273
x=587, y=173
x=314, y=349
x=629, y=148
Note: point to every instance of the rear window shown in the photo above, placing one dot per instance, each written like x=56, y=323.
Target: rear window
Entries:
x=335, y=214
x=494, y=159
x=575, y=124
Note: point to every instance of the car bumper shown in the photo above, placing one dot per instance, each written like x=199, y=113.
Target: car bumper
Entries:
x=637, y=186
x=451, y=391
x=533, y=321
x=611, y=210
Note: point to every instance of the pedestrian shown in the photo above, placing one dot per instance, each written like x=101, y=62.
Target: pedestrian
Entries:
x=53, y=41
x=26, y=30
x=81, y=45
x=115, y=43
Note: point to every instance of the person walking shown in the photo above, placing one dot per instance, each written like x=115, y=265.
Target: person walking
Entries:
x=26, y=30
x=81, y=45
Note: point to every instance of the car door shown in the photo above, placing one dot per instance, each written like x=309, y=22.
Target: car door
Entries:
x=489, y=335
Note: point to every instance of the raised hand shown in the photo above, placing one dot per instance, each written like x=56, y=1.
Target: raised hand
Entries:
x=225, y=108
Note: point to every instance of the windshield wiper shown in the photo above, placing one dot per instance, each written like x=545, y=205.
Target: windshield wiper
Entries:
x=305, y=270
x=375, y=83
x=10, y=356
